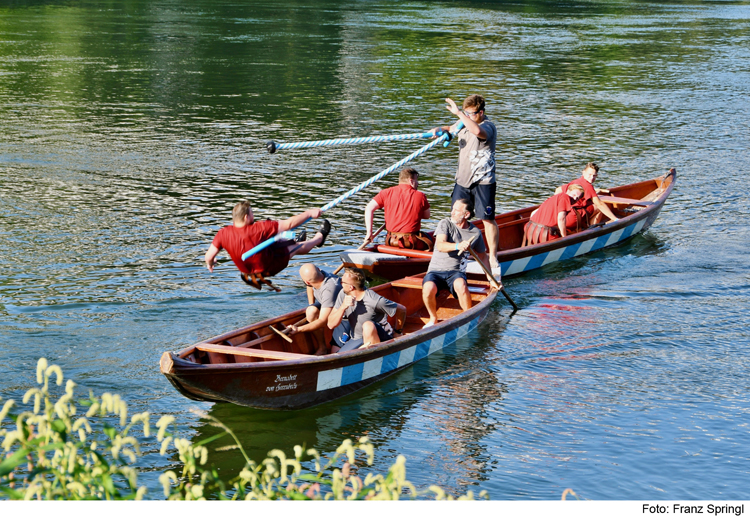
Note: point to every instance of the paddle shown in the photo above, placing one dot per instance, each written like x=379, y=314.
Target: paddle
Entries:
x=492, y=279
x=361, y=246
x=272, y=146
x=335, y=202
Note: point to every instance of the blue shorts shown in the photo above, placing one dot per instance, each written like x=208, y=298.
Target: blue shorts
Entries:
x=483, y=198
x=315, y=304
x=444, y=280
x=352, y=344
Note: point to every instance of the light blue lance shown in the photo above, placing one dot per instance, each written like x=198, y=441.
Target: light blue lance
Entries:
x=272, y=146
x=445, y=137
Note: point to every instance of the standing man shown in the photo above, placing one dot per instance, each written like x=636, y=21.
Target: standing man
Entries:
x=447, y=270
x=475, y=176
x=547, y=222
x=405, y=207
x=325, y=288
x=244, y=233
x=590, y=209
x=365, y=312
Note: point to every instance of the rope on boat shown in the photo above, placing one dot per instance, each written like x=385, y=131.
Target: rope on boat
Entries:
x=445, y=137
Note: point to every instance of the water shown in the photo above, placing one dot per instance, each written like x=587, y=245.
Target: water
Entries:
x=129, y=130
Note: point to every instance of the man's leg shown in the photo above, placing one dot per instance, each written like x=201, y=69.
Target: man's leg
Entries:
x=305, y=247
x=461, y=290
x=429, y=297
x=492, y=234
x=370, y=333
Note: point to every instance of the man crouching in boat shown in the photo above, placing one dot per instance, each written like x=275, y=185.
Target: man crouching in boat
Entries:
x=547, y=222
x=405, y=207
x=245, y=234
x=362, y=314
x=325, y=290
x=590, y=209
x=447, y=270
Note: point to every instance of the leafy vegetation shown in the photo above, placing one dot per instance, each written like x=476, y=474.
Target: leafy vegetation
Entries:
x=56, y=453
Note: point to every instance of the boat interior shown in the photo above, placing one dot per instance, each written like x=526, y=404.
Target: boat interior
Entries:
x=268, y=341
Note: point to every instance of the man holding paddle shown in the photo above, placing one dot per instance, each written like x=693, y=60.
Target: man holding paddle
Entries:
x=475, y=176
x=454, y=237
x=325, y=289
x=405, y=207
x=244, y=233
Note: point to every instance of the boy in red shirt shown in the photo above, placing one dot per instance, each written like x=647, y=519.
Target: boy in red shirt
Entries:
x=547, y=223
x=244, y=233
x=590, y=209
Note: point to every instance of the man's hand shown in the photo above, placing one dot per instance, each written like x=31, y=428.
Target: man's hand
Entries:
x=452, y=107
x=348, y=301
x=464, y=246
x=292, y=330
x=210, y=265
x=315, y=213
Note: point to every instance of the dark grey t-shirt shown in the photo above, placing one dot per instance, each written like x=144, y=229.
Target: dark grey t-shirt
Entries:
x=372, y=307
x=326, y=294
x=476, y=157
x=444, y=262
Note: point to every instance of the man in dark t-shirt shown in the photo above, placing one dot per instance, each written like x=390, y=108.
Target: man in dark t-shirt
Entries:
x=244, y=234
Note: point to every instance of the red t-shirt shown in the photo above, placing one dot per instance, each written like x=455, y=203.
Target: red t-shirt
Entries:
x=237, y=241
x=588, y=192
x=404, y=207
x=547, y=213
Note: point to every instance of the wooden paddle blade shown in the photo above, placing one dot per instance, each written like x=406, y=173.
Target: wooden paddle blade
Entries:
x=274, y=329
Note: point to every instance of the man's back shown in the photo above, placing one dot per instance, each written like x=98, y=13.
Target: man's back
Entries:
x=237, y=241
x=404, y=208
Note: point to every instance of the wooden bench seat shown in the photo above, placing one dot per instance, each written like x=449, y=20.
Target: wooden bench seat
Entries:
x=243, y=351
x=625, y=201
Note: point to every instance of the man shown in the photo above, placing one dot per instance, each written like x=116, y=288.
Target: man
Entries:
x=245, y=233
x=325, y=289
x=405, y=207
x=364, y=314
x=547, y=222
x=475, y=176
x=590, y=209
x=447, y=270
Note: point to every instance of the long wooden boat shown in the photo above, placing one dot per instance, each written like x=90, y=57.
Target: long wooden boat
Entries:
x=636, y=206
x=255, y=366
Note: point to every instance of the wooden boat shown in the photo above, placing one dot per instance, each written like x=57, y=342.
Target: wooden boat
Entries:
x=636, y=205
x=255, y=366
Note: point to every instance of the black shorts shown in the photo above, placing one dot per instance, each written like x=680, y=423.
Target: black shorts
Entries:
x=444, y=280
x=483, y=198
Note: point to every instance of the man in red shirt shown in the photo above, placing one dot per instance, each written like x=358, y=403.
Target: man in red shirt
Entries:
x=547, y=223
x=244, y=233
x=590, y=209
x=405, y=207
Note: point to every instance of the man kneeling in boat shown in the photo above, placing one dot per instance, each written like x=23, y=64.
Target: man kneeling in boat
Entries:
x=360, y=316
x=405, y=207
x=590, y=209
x=547, y=222
x=325, y=289
x=447, y=270
x=244, y=234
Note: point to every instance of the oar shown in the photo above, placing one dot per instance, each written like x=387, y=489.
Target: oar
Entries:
x=360, y=187
x=272, y=146
x=361, y=246
x=492, y=278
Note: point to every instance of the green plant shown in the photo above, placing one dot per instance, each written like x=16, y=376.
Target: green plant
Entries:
x=55, y=454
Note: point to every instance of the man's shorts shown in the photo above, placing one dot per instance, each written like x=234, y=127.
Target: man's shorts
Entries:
x=444, y=280
x=483, y=198
x=350, y=343
x=315, y=304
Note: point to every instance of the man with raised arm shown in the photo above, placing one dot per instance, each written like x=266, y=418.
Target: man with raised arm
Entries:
x=405, y=207
x=447, y=270
x=244, y=233
x=590, y=209
x=475, y=176
x=547, y=222
x=325, y=289
x=364, y=313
